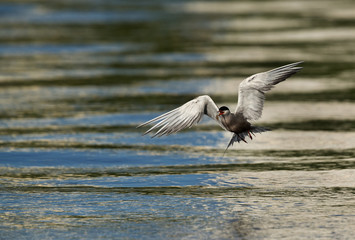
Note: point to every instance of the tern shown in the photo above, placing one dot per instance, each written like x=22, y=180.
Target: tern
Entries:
x=251, y=97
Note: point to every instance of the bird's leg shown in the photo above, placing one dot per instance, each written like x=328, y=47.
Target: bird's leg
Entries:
x=242, y=138
x=250, y=135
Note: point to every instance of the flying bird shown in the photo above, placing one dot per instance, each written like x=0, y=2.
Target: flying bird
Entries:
x=251, y=97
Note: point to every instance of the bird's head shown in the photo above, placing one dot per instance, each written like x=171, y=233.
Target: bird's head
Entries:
x=223, y=111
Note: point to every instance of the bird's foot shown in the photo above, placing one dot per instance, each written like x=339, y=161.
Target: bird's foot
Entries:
x=251, y=138
x=243, y=139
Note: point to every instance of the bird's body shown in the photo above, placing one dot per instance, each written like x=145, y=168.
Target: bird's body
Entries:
x=251, y=99
x=235, y=122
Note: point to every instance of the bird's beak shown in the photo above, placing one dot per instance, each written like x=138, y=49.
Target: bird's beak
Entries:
x=219, y=114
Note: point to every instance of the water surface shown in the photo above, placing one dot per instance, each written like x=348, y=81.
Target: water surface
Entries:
x=78, y=77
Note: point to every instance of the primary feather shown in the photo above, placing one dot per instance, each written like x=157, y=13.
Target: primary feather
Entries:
x=184, y=116
x=252, y=90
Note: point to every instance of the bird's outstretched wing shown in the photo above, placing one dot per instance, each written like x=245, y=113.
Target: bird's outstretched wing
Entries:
x=184, y=116
x=252, y=90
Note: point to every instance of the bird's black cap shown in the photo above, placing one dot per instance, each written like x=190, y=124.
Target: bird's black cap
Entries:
x=223, y=108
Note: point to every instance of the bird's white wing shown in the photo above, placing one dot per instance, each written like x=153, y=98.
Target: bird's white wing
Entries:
x=184, y=116
x=252, y=90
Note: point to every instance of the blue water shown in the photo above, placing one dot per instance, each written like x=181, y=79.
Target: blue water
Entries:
x=78, y=77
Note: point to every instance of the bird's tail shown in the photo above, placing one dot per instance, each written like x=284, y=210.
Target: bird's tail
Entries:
x=238, y=137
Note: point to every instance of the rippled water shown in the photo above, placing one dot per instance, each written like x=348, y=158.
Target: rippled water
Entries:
x=78, y=76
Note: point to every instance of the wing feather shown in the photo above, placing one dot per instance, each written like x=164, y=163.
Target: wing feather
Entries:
x=183, y=117
x=252, y=90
